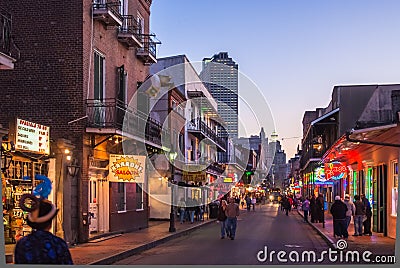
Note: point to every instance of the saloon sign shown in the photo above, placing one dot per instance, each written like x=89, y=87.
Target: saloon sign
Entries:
x=127, y=168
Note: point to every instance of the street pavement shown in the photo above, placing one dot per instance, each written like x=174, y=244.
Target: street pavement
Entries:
x=199, y=243
x=266, y=229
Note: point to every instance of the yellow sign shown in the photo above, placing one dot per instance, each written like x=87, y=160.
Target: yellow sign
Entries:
x=228, y=179
x=127, y=168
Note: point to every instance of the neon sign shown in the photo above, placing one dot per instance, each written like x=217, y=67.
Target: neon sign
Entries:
x=335, y=170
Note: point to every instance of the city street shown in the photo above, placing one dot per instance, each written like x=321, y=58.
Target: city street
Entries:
x=266, y=226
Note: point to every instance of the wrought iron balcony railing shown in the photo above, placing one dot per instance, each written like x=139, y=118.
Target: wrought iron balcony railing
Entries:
x=116, y=115
x=108, y=11
x=130, y=32
x=147, y=53
x=9, y=53
x=198, y=125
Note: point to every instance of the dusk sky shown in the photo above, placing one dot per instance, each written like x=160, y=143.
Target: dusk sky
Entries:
x=294, y=51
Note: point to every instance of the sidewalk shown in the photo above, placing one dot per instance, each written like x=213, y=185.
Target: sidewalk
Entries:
x=108, y=249
x=377, y=243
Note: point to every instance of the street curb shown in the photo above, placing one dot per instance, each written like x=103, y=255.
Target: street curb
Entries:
x=328, y=240
x=130, y=252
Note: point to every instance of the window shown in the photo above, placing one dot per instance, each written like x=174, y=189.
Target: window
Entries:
x=140, y=21
x=121, y=196
x=395, y=194
x=99, y=89
x=139, y=196
x=98, y=76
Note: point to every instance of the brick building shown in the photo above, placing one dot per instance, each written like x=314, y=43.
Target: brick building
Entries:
x=80, y=65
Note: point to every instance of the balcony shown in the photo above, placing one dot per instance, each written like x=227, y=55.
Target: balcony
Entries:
x=130, y=32
x=111, y=116
x=107, y=11
x=9, y=53
x=147, y=53
x=199, y=127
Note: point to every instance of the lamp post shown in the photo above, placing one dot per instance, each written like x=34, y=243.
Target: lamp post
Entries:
x=172, y=156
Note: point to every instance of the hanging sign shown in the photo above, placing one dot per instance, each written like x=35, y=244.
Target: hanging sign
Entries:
x=32, y=137
x=319, y=173
x=194, y=176
x=335, y=170
x=127, y=168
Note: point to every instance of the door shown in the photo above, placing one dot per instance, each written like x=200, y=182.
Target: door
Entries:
x=379, y=200
x=93, y=208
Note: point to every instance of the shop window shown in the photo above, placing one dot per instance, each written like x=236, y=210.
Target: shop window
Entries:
x=139, y=196
x=395, y=172
x=121, y=196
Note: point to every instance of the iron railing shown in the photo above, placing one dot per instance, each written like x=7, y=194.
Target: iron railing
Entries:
x=110, y=5
x=200, y=126
x=149, y=45
x=7, y=45
x=130, y=26
x=115, y=114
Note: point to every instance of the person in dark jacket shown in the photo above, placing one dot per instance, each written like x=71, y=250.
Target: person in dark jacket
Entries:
x=319, y=208
x=221, y=217
x=338, y=211
x=368, y=213
x=286, y=205
x=358, y=216
x=41, y=246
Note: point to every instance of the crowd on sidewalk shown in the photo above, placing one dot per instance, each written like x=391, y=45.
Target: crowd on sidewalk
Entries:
x=342, y=212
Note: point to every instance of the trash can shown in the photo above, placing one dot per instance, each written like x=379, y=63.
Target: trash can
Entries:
x=213, y=210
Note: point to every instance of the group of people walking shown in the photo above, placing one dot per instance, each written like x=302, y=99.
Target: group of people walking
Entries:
x=190, y=210
x=228, y=211
x=343, y=210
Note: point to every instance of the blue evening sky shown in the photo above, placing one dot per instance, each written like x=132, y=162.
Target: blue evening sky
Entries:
x=294, y=51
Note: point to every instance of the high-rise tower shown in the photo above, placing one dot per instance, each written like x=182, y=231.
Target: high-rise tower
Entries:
x=220, y=74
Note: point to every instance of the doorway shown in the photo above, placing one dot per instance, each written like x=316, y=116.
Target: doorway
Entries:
x=379, y=200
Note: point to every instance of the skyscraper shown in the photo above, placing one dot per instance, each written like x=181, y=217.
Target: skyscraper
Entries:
x=220, y=74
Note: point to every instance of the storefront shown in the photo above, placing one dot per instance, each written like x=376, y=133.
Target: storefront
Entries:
x=21, y=160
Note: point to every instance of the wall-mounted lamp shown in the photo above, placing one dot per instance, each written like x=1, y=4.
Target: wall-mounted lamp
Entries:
x=73, y=168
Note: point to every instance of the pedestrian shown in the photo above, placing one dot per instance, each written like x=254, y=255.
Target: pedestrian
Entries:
x=286, y=205
x=320, y=210
x=358, y=216
x=248, y=202
x=191, y=207
x=305, y=206
x=221, y=217
x=41, y=246
x=338, y=211
x=350, y=210
x=242, y=203
x=368, y=214
x=253, y=202
x=181, y=208
x=313, y=208
x=232, y=212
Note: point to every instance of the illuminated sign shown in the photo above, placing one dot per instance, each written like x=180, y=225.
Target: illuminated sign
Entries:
x=228, y=179
x=194, y=176
x=127, y=168
x=335, y=171
x=32, y=137
x=319, y=173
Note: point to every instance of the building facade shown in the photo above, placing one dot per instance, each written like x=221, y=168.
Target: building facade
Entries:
x=357, y=141
x=220, y=75
x=79, y=78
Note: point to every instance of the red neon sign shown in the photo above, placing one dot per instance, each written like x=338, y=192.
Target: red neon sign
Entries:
x=335, y=170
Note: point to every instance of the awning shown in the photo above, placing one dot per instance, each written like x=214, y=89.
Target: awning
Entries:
x=353, y=140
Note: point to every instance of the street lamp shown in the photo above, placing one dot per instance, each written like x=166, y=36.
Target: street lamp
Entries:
x=172, y=157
